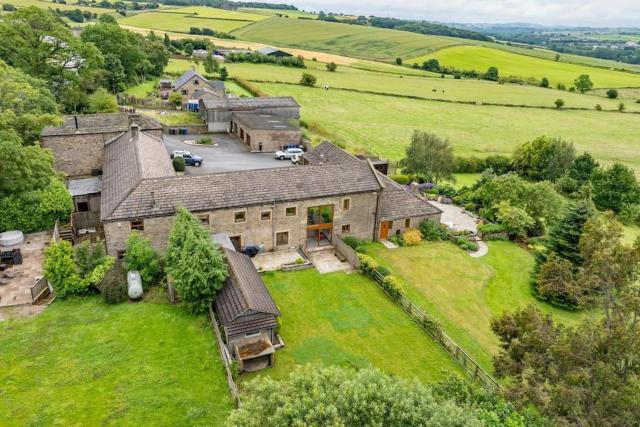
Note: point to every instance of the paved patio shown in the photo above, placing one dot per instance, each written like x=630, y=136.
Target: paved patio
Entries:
x=326, y=261
x=455, y=218
x=270, y=261
x=18, y=291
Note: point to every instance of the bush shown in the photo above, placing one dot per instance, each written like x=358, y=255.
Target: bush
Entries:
x=500, y=165
x=141, y=256
x=332, y=66
x=411, y=237
x=88, y=256
x=598, y=107
x=61, y=272
x=465, y=244
x=470, y=207
x=179, y=164
x=397, y=240
x=367, y=264
x=176, y=99
x=393, y=287
x=559, y=103
x=433, y=230
x=446, y=190
x=352, y=242
x=401, y=179
x=612, y=94
x=630, y=214
x=491, y=228
x=308, y=80
x=113, y=287
x=383, y=271
x=205, y=140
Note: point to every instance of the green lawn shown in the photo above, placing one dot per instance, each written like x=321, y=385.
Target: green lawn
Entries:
x=172, y=21
x=345, y=319
x=86, y=363
x=464, y=293
x=143, y=89
x=235, y=89
x=384, y=124
x=480, y=58
x=466, y=179
x=174, y=118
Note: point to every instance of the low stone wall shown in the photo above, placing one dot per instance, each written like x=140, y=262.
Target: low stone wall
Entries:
x=347, y=251
x=191, y=129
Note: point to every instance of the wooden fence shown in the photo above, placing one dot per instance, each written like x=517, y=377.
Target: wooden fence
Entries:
x=227, y=360
x=430, y=325
x=39, y=289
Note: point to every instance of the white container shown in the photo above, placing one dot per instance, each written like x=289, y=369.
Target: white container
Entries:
x=10, y=238
x=134, y=285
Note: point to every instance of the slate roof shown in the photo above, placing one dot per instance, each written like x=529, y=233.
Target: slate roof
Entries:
x=204, y=93
x=159, y=197
x=183, y=79
x=264, y=122
x=85, y=186
x=99, y=123
x=328, y=153
x=250, y=103
x=128, y=163
x=244, y=292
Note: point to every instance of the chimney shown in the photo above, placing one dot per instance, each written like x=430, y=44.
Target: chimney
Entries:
x=134, y=131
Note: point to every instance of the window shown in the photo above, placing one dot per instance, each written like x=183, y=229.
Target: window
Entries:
x=204, y=219
x=282, y=238
x=120, y=255
x=183, y=91
x=240, y=216
x=137, y=225
x=265, y=216
x=83, y=206
x=196, y=82
x=346, y=228
x=346, y=204
x=251, y=334
x=291, y=211
x=407, y=223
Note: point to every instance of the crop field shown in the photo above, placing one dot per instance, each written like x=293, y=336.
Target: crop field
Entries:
x=383, y=124
x=275, y=12
x=480, y=58
x=172, y=21
x=350, y=40
x=346, y=320
x=83, y=362
x=49, y=4
x=464, y=293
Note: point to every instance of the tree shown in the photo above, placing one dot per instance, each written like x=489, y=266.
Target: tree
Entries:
x=555, y=282
x=105, y=18
x=166, y=40
x=141, y=256
x=175, y=98
x=88, y=256
x=23, y=169
x=211, y=65
x=116, y=78
x=557, y=57
x=197, y=268
x=102, y=101
x=583, y=168
x=543, y=158
x=583, y=83
x=224, y=74
x=615, y=187
x=343, y=397
x=492, y=74
x=559, y=103
x=60, y=270
x=308, y=80
x=564, y=236
x=398, y=61
x=515, y=220
x=544, y=82
x=431, y=65
x=430, y=157
x=612, y=94
x=332, y=66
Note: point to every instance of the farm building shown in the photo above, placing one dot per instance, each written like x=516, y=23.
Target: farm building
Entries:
x=264, y=132
x=218, y=113
x=272, y=51
x=247, y=313
x=191, y=82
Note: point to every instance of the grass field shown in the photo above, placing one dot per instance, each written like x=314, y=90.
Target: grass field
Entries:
x=274, y=12
x=466, y=179
x=631, y=233
x=464, y=293
x=383, y=124
x=174, y=118
x=173, y=21
x=86, y=363
x=49, y=4
x=345, y=319
x=480, y=58
x=143, y=89
x=210, y=12
x=350, y=40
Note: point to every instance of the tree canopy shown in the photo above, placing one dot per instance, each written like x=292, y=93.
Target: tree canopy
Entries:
x=543, y=158
x=430, y=157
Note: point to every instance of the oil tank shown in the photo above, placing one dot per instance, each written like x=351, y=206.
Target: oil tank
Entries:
x=134, y=285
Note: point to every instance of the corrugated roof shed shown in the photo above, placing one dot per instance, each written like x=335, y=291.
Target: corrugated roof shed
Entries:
x=85, y=186
x=264, y=122
x=250, y=103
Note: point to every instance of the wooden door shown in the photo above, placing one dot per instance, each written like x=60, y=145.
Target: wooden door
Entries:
x=385, y=226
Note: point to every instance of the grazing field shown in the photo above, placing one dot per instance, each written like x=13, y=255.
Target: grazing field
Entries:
x=49, y=4
x=350, y=40
x=465, y=293
x=211, y=12
x=84, y=362
x=480, y=58
x=172, y=21
x=383, y=124
x=346, y=320
x=276, y=12
x=466, y=179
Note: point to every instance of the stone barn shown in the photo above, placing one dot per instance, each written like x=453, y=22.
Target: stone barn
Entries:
x=264, y=132
x=191, y=82
x=218, y=113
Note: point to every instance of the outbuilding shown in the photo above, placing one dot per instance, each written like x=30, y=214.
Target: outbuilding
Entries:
x=272, y=51
x=264, y=132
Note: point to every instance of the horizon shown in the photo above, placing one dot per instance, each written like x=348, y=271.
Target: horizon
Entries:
x=568, y=13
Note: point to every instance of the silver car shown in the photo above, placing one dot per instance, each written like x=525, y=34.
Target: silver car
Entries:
x=288, y=153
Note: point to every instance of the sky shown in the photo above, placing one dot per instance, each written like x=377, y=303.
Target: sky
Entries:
x=594, y=13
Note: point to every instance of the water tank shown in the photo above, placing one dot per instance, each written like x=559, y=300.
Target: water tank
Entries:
x=10, y=238
x=134, y=285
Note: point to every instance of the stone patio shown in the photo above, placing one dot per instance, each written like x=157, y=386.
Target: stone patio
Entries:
x=18, y=291
x=270, y=261
x=326, y=261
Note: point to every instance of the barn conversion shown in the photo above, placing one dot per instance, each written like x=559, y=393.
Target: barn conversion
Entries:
x=218, y=113
x=264, y=132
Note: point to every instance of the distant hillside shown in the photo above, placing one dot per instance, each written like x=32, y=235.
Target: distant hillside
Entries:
x=424, y=27
x=226, y=4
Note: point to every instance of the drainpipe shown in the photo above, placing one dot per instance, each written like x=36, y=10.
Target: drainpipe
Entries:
x=378, y=200
x=273, y=225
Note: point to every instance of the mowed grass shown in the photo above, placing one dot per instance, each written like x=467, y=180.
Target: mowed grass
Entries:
x=383, y=125
x=465, y=293
x=346, y=320
x=84, y=362
x=350, y=40
x=174, y=118
x=170, y=21
x=480, y=58
x=143, y=89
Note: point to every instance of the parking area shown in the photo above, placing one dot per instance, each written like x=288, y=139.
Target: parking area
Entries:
x=228, y=154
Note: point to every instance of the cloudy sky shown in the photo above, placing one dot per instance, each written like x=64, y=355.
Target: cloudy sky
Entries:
x=546, y=12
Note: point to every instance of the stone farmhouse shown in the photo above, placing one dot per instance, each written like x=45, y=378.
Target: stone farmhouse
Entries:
x=191, y=84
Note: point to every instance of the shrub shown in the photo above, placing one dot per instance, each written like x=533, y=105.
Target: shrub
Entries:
x=393, y=287
x=397, y=240
x=141, y=256
x=630, y=214
x=401, y=179
x=433, y=230
x=465, y=244
x=352, y=242
x=384, y=271
x=61, y=272
x=491, y=228
x=332, y=66
x=470, y=207
x=612, y=94
x=205, y=140
x=598, y=107
x=113, y=287
x=362, y=250
x=179, y=164
x=367, y=264
x=308, y=80
x=446, y=190
x=411, y=237
x=176, y=99
x=559, y=103
x=299, y=261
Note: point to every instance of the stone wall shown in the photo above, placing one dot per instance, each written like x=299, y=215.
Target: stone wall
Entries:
x=267, y=140
x=220, y=120
x=255, y=230
x=78, y=155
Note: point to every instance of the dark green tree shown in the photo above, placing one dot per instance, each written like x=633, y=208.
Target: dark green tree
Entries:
x=332, y=66
x=543, y=158
x=544, y=82
x=211, y=65
x=224, y=74
x=116, y=78
x=492, y=74
x=308, y=80
x=564, y=236
x=431, y=65
x=141, y=256
x=612, y=93
x=615, y=187
x=583, y=83
x=583, y=168
x=430, y=157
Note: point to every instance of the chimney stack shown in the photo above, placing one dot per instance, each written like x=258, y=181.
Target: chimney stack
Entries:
x=135, y=131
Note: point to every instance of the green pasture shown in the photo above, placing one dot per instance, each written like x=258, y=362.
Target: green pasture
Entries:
x=143, y=89
x=274, y=12
x=49, y=4
x=171, y=21
x=346, y=320
x=211, y=12
x=383, y=124
x=466, y=179
x=82, y=362
x=465, y=293
x=480, y=58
